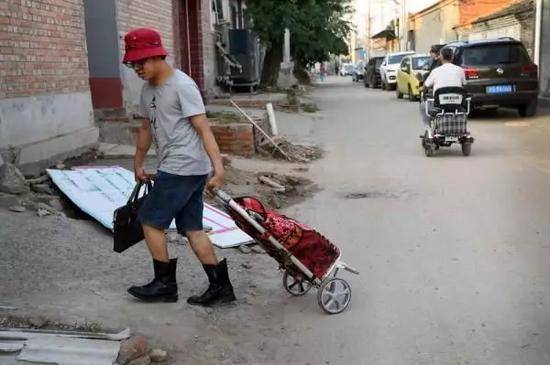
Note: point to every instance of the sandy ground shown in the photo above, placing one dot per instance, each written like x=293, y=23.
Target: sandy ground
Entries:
x=453, y=252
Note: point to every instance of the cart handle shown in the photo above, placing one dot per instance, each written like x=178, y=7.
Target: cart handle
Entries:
x=226, y=198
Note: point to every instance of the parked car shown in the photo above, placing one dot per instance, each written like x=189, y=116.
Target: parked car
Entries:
x=357, y=74
x=499, y=73
x=346, y=69
x=407, y=79
x=371, y=76
x=388, y=69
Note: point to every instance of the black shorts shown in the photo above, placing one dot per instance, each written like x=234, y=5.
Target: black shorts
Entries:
x=174, y=197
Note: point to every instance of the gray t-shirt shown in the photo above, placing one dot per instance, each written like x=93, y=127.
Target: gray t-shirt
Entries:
x=168, y=107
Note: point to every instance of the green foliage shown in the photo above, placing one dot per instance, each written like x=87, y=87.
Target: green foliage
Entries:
x=318, y=28
x=321, y=30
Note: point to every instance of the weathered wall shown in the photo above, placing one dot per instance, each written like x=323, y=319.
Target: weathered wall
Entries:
x=519, y=27
x=471, y=10
x=45, y=103
x=435, y=26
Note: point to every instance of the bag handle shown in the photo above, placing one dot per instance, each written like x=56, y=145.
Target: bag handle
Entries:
x=135, y=193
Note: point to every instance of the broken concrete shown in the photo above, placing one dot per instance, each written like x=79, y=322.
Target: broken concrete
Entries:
x=12, y=180
x=115, y=151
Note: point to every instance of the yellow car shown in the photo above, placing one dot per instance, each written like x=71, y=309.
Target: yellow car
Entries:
x=407, y=81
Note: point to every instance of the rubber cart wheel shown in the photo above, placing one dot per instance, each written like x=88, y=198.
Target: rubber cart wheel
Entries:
x=296, y=287
x=334, y=295
x=466, y=148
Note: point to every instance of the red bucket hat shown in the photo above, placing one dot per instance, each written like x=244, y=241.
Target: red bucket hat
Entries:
x=143, y=43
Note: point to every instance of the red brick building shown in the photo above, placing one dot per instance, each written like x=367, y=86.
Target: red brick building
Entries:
x=60, y=67
x=45, y=105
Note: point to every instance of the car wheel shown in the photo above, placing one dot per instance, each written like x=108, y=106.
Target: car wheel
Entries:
x=398, y=93
x=528, y=110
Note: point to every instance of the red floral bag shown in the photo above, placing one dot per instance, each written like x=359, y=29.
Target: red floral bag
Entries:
x=286, y=230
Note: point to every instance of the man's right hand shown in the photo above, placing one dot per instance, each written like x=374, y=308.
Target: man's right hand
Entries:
x=140, y=174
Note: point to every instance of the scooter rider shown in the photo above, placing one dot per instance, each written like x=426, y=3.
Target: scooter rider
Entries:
x=436, y=57
x=446, y=75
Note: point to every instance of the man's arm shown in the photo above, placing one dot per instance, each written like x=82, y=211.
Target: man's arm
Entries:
x=143, y=144
x=430, y=80
x=201, y=125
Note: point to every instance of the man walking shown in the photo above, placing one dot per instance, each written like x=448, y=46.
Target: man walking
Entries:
x=186, y=153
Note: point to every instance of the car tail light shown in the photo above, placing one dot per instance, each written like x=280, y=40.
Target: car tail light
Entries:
x=530, y=69
x=471, y=73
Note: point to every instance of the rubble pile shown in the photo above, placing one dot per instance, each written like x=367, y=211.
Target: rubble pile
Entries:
x=295, y=152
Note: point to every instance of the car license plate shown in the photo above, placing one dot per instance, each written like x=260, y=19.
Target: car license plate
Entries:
x=451, y=139
x=499, y=89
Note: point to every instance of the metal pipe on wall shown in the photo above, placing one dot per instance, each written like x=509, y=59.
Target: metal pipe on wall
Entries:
x=538, y=30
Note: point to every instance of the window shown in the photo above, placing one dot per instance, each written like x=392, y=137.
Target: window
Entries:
x=495, y=54
x=217, y=8
x=420, y=62
x=395, y=59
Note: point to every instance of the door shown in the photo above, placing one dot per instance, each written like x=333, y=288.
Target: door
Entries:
x=403, y=75
x=190, y=24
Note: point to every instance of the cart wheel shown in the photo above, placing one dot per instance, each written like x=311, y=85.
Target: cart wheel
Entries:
x=466, y=148
x=334, y=295
x=296, y=287
x=429, y=150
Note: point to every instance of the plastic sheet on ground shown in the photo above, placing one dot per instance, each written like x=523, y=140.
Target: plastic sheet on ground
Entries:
x=98, y=191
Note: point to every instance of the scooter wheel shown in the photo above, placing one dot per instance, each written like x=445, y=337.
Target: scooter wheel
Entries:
x=429, y=150
x=466, y=148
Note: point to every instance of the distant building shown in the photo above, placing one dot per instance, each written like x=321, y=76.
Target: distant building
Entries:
x=516, y=21
x=384, y=42
x=437, y=23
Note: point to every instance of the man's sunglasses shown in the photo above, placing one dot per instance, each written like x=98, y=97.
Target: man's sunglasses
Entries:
x=135, y=64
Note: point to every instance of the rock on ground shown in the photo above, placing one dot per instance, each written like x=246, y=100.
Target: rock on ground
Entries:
x=133, y=348
x=12, y=180
x=158, y=355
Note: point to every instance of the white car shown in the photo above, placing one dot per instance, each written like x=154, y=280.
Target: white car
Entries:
x=388, y=69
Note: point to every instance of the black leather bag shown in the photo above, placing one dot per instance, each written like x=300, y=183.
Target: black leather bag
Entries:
x=127, y=229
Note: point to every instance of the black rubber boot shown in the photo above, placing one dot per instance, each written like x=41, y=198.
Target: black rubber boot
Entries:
x=220, y=289
x=163, y=288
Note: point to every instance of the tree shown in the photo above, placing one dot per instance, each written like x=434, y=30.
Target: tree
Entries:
x=322, y=30
x=317, y=27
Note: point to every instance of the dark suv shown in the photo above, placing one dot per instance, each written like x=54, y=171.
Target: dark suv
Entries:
x=499, y=73
x=372, y=72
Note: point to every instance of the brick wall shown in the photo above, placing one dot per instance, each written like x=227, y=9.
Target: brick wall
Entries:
x=235, y=138
x=471, y=10
x=42, y=47
x=158, y=14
